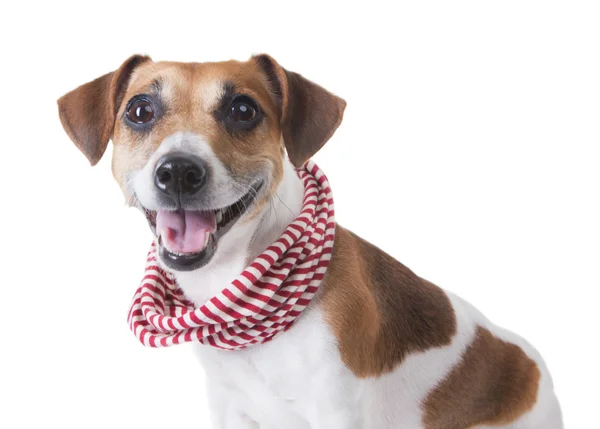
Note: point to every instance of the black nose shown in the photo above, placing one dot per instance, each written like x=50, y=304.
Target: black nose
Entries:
x=180, y=176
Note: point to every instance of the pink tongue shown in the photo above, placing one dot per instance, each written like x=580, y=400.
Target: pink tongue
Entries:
x=185, y=231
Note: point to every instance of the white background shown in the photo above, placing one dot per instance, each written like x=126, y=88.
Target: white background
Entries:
x=469, y=151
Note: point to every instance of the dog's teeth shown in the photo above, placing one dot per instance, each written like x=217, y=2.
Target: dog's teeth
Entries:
x=206, y=239
x=219, y=216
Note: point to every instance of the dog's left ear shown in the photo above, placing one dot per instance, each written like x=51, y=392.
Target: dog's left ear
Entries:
x=88, y=112
x=309, y=114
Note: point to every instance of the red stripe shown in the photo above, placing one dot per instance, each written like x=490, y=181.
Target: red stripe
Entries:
x=210, y=314
x=238, y=301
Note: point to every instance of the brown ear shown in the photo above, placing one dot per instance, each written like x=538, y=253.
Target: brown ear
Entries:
x=309, y=113
x=88, y=112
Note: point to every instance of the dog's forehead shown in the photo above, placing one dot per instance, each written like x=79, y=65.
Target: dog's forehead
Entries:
x=203, y=82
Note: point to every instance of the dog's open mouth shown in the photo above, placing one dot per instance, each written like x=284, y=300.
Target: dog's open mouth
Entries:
x=188, y=238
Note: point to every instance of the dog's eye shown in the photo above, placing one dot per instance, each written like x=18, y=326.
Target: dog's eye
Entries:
x=140, y=112
x=241, y=111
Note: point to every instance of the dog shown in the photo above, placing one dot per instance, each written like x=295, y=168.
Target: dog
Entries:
x=377, y=347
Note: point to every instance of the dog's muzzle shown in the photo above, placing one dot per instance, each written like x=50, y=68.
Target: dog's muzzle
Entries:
x=188, y=232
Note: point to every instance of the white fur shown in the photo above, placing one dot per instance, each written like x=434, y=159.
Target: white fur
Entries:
x=222, y=190
x=298, y=380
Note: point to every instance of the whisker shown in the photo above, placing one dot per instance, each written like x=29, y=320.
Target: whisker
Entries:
x=284, y=204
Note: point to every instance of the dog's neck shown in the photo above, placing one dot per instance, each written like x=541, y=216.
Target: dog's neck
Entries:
x=245, y=241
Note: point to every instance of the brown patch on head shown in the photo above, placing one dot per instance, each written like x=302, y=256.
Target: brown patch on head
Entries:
x=494, y=384
x=379, y=310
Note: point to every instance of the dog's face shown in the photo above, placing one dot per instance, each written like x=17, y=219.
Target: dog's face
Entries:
x=199, y=147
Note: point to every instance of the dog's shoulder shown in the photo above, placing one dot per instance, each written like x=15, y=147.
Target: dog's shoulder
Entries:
x=379, y=310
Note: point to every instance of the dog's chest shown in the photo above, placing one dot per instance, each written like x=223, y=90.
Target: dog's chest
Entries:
x=287, y=382
x=293, y=381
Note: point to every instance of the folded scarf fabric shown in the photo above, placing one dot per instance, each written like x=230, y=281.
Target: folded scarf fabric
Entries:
x=264, y=300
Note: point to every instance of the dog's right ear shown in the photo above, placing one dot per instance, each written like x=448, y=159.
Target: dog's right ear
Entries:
x=88, y=112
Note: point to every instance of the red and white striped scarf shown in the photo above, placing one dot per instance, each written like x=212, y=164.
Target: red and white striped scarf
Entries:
x=264, y=300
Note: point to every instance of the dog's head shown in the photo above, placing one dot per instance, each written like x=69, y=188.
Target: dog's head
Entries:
x=199, y=146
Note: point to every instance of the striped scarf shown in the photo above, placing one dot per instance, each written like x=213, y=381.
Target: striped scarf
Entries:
x=264, y=300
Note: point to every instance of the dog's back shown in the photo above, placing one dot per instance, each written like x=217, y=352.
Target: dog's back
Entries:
x=432, y=358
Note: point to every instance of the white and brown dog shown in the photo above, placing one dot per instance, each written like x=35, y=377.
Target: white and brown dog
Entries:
x=378, y=347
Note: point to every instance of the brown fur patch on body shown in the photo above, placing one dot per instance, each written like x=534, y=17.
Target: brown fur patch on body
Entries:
x=379, y=310
x=494, y=384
